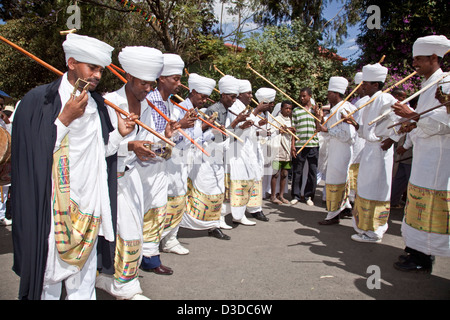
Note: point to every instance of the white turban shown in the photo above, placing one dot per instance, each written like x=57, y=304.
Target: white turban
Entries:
x=265, y=95
x=229, y=85
x=142, y=62
x=338, y=84
x=358, y=77
x=87, y=50
x=374, y=73
x=429, y=45
x=173, y=65
x=201, y=84
x=244, y=86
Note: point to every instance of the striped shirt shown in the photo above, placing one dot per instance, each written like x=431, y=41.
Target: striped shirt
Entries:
x=156, y=98
x=305, y=125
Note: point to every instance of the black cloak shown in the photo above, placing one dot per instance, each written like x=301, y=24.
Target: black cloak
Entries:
x=32, y=142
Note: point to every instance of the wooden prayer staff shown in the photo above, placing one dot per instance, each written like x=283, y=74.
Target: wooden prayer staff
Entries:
x=419, y=114
x=179, y=129
x=163, y=115
x=331, y=115
x=408, y=99
x=279, y=90
x=59, y=73
x=215, y=122
x=285, y=131
x=203, y=120
x=371, y=100
x=254, y=101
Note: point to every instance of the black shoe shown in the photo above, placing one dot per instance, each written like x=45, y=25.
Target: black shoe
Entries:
x=347, y=212
x=407, y=264
x=259, y=216
x=217, y=233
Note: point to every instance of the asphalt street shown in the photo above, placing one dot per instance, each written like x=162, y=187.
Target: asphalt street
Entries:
x=290, y=257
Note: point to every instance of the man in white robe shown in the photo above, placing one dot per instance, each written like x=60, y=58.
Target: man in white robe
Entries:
x=206, y=183
x=359, y=142
x=372, y=204
x=341, y=139
x=425, y=227
x=180, y=163
x=243, y=167
x=153, y=173
x=142, y=65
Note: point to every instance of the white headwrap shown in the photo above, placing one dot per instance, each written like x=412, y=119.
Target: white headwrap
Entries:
x=87, y=50
x=265, y=95
x=173, y=65
x=358, y=77
x=229, y=85
x=244, y=86
x=429, y=45
x=374, y=73
x=201, y=84
x=338, y=84
x=142, y=62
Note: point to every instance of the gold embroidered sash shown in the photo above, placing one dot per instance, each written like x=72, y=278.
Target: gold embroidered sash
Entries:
x=353, y=175
x=175, y=209
x=336, y=195
x=370, y=214
x=126, y=260
x=428, y=210
x=154, y=223
x=75, y=231
x=202, y=206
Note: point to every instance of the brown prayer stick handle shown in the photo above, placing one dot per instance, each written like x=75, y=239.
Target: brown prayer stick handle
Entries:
x=59, y=73
x=279, y=90
x=419, y=114
x=201, y=119
x=253, y=100
x=371, y=100
x=342, y=103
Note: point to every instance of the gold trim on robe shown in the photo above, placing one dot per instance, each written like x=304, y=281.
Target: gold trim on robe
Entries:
x=75, y=231
x=353, y=175
x=175, y=209
x=370, y=214
x=255, y=195
x=336, y=195
x=153, y=224
x=428, y=210
x=202, y=206
x=126, y=260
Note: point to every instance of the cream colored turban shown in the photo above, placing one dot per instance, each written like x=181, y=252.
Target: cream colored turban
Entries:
x=374, y=73
x=142, y=62
x=338, y=84
x=229, y=85
x=88, y=50
x=173, y=65
x=265, y=95
x=201, y=84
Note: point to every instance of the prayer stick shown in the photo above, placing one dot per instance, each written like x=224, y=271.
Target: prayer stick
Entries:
x=419, y=114
x=59, y=73
x=179, y=129
x=284, y=131
x=279, y=90
x=342, y=103
x=253, y=100
x=203, y=120
x=117, y=74
x=371, y=100
x=408, y=99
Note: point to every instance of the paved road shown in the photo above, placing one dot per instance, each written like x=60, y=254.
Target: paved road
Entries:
x=291, y=257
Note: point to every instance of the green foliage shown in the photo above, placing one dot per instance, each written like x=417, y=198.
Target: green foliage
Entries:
x=287, y=56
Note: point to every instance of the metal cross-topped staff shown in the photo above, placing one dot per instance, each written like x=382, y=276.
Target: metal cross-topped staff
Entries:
x=59, y=73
